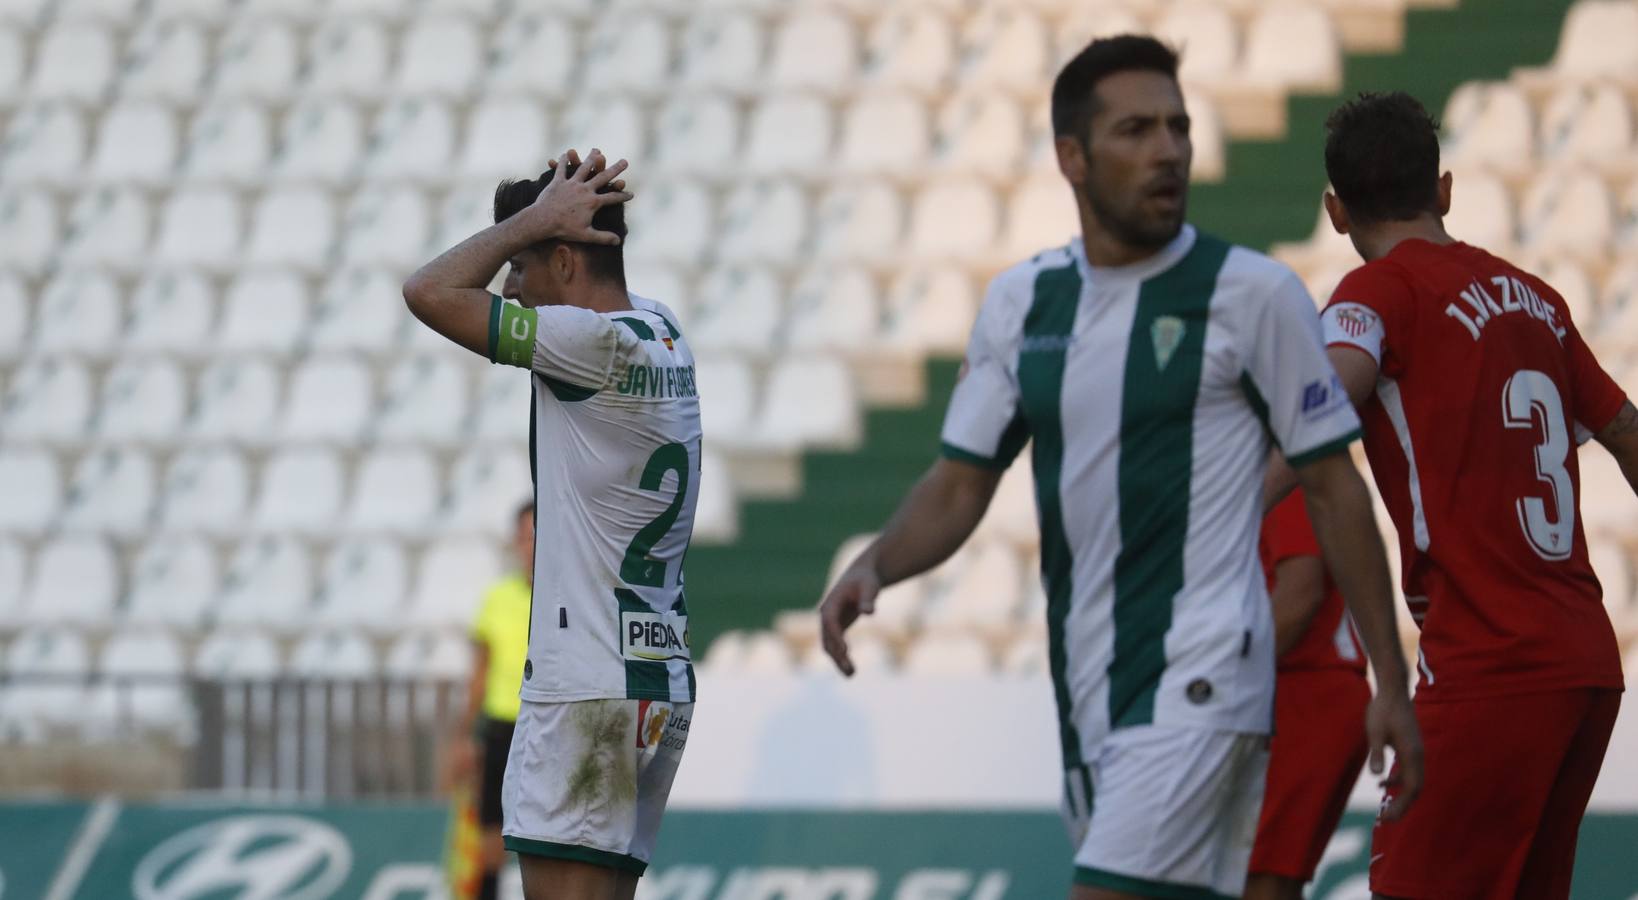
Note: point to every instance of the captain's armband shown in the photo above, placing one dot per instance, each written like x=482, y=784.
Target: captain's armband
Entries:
x=512, y=334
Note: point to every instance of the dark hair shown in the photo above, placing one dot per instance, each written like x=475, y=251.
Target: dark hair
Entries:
x=603, y=261
x=526, y=508
x=1382, y=156
x=1074, y=102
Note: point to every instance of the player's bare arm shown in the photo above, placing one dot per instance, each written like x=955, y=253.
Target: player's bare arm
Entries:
x=1620, y=437
x=1340, y=507
x=1299, y=592
x=450, y=294
x=936, y=517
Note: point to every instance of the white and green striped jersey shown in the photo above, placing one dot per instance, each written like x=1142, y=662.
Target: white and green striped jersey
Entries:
x=1150, y=393
x=616, y=447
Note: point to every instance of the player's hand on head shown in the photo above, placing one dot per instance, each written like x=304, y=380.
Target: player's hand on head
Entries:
x=853, y=595
x=564, y=210
x=1390, y=721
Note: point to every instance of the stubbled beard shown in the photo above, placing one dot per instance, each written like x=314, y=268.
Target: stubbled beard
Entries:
x=1131, y=229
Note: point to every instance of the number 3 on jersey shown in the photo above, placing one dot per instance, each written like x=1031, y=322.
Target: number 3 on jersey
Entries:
x=1530, y=397
x=637, y=568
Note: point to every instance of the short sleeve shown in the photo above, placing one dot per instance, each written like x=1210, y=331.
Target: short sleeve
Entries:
x=1595, y=395
x=567, y=344
x=1367, y=311
x=984, y=425
x=1287, y=533
x=1290, y=380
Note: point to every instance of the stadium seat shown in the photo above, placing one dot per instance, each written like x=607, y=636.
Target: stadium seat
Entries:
x=200, y=227
x=946, y=656
x=257, y=59
x=1587, y=125
x=982, y=596
x=422, y=656
x=632, y=57
x=229, y=140
x=205, y=490
x=450, y=578
x=614, y=125
x=954, y=221
x=1489, y=125
x=1597, y=40
x=269, y=584
x=136, y=144
x=238, y=654
x=48, y=399
x=387, y=226
x=931, y=310
x=813, y=49
x=263, y=312
x=110, y=12
x=76, y=581
x=763, y=654
x=1040, y=215
x=174, y=581
x=396, y=491
x=13, y=577
x=789, y=134
x=980, y=134
x=1025, y=656
x=716, y=515
x=859, y=222
x=80, y=314
x=503, y=405
x=413, y=138
x=1206, y=133
x=424, y=401
x=810, y=402
x=910, y=49
x=1609, y=561
x=727, y=399
x=31, y=482
x=524, y=124
x=666, y=284
x=836, y=310
x=695, y=135
x=61, y=658
x=73, y=61
x=301, y=491
x=322, y=140
x=721, y=51
x=364, y=585
x=534, y=53
x=112, y=492
x=359, y=308
x=143, y=402
x=486, y=485
x=674, y=224
x=330, y=399
x=333, y=655
x=869, y=654
x=1481, y=212
x=1626, y=237
x=1004, y=48
x=1294, y=46
x=292, y=227
x=1568, y=213
x=347, y=57
x=1570, y=280
x=725, y=654
x=1206, y=35
x=14, y=316
x=141, y=686
x=440, y=56
x=741, y=309
x=12, y=59
x=45, y=143
x=1011, y=516
x=168, y=59
x=30, y=228
x=108, y=227
x=235, y=399
x=763, y=223
x=1087, y=21
x=885, y=134
x=1604, y=492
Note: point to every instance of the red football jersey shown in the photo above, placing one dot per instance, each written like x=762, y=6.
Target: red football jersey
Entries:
x=1486, y=389
x=1329, y=642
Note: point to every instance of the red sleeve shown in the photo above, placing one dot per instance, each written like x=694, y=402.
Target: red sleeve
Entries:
x=1287, y=532
x=1597, y=397
x=1371, y=311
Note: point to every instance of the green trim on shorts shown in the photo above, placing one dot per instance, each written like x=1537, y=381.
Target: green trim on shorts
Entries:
x=608, y=859
x=1142, y=887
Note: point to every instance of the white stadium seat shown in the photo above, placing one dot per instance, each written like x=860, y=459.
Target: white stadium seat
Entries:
x=1206, y=135
x=721, y=51
x=73, y=62
x=31, y=482
x=76, y=581
x=80, y=314
x=424, y=401
x=136, y=144
x=142, y=686
x=1025, y=656
x=1568, y=214
x=269, y=584
x=143, y=401
x=931, y=309
x=229, y=140
x=740, y=311
x=727, y=399
x=322, y=140
x=954, y=221
x=200, y=227
x=206, y=490
x=486, y=485
x=168, y=61
x=1489, y=125
x=1087, y=21
x=439, y=56
x=505, y=137
x=359, y=308
x=944, y=656
x=235, y=400
x=30, y=228
x=238, y=654
x=293, y=227
x=716, y=515
x=301, y=491
x=810, y=402
x=503, y=405
x=910, y=49
x=414, y=138
x=333, y=656
x=1294, y=46
x=631, y=56
x=263, y=312
x=1206, y=35
x=112, y=492
x=859, y=222
x=1587, y=125
x=330, y=399
x=763, y=223
x=1597, y=41
x=449, y=579
x=1004, y=48
x=532, y=54
x=666, y=283
x=813, y=49
x=174, y=581
x=347, y=57
x=13, y=576
x=108, y=227
x=421, y=656
x=12, y=59
x=14, y=316
x=789, y=134
x=395, y=491
x=387, y=226
x=836, y=310
x=364, y=585
x=45, y=142
x=885, y=134
x=1040, y=215
x=48, y=399
x=256, y=59
x=695, y=134
x=979, y=133
x=111, y=12
x=674, y=223
x=56, y=701
x=614, y=125
x=982, y=596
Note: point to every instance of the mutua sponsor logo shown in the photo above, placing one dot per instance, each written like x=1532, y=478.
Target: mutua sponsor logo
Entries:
x=652, y=637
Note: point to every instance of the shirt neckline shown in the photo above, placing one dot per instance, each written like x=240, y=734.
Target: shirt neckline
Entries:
x=1168, y=256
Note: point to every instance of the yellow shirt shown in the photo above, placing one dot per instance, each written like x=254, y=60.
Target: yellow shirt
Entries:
x=503, y=626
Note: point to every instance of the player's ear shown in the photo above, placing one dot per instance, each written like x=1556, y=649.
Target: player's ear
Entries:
x=1445, y=182
x=1337, y=213
x=563, y=263
x=1071, y=159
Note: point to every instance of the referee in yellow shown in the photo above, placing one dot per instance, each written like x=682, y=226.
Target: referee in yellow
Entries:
x=500, y=644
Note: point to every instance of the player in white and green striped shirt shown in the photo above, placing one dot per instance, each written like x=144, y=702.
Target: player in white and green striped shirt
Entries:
x=1153, y=367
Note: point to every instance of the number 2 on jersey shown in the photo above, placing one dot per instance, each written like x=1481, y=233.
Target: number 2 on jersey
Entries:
x=1531, y=396
x=637, y=568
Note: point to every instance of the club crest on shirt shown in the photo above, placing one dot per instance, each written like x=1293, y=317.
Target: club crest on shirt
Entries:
x=1355, y=320
x=1167, y=333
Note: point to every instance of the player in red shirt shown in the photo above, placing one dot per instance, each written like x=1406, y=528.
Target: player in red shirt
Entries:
x=1475, y=389
x=1319, y=708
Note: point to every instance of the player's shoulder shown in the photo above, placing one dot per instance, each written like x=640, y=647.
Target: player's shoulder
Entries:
x=1012, y=291
x=1244, y=267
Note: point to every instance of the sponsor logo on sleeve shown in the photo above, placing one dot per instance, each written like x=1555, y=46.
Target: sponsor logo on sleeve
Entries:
x=652, y=637
x=1322, y=396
